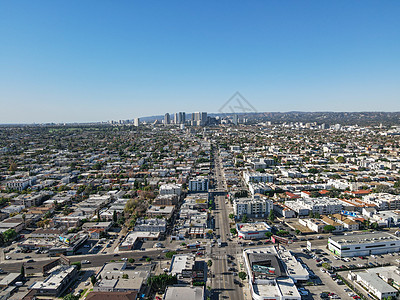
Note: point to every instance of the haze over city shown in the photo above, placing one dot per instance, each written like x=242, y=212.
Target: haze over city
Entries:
x=101, y=60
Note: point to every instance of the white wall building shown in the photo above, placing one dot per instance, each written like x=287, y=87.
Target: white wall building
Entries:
x=252, y=207
x=171, y=189
x=363, y=244
x=252, y=231
x=257, y=177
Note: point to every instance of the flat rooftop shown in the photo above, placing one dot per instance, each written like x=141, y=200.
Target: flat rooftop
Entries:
x=361, y=238
x=257, y=226
x=184, y=292
x=181, y=262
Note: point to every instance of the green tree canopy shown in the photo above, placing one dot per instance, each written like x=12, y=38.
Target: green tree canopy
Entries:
x=329, y=228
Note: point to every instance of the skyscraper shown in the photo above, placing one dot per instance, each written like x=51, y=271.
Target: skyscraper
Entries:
x=199, y=118
x=167, y=119
x=180, y=118
x=136, y=122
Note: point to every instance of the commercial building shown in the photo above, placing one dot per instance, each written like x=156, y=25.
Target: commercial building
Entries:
x=180, y=118
x=188, y=269
x=135, y=236
x=167, y=119
x=378, y=281
x=57, y=282
x=184, y=292
x=151, y=225
x=116, y=277
x=251, y=231
x=363, y=244
x=272, y=273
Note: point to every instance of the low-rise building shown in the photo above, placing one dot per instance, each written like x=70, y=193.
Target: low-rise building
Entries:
x=373, y=282
x=363, y=244
x=272, y=273
x=251, y=231
x=184, y=292
x=116, y=277
x=151, y=225
x=56, y=282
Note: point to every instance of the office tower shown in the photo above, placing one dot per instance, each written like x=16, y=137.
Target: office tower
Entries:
x=167, y=119
x=199, y=118
x=180, y=118
x=136, y=122
x=235, y=119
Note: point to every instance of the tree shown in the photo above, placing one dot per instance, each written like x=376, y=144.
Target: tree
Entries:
x=375, y=225
x=169, y=254
x=22, y=271
x=131, y=260
x=9, y=235
x=341, y=159
x=125, y=276
x=271, y=215
x=233, y=231
x=77, y=264
x=160, y=282
x=244, y=219
x=71, y=297
x=242, y=275
x=268, y=234
x=231, y=216
x=282, y=232
x=209, y=263
x=115, y=218
x=93, y=279
x=298, y=231
x=329, y=228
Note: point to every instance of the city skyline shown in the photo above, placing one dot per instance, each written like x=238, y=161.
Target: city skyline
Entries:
x=97, y=61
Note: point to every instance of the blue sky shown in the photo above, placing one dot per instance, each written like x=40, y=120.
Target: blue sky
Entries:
x=76, y=61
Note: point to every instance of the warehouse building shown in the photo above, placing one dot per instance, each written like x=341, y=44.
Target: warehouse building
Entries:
x=363, y=244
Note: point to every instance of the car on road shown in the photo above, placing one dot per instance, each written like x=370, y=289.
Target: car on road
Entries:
x=29, y=268
x=124, y=259
x=84, y=262
x=30, y=261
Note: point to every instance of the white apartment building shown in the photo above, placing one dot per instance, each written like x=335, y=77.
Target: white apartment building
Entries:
x=252, y=207
x=20, y=184
x=257, y=177
x=322, y=206
x=171, y=189
x=383, y=201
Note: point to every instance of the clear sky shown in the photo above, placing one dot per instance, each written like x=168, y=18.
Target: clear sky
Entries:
x=94, y=60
